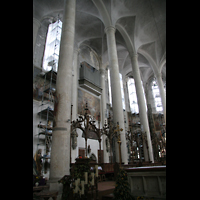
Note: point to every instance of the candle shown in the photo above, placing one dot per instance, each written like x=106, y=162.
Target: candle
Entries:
x=86, y=178
x=92, y=174
x=96, y=169
x=76, y=186
x=78, y=182
x=82, y=184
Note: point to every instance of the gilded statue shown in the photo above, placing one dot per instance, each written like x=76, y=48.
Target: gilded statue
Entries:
x=38, y=160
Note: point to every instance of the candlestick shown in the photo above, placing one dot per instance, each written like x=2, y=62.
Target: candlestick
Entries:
x=96, y=168
x=92, y=174
x=86, y=178
x=82, y=184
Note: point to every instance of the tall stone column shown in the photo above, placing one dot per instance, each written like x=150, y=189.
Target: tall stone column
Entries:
x=116, y=91
x=126, y=95
x=74, y=87
x=60, y=150
x=142, y=107
x=127, y=106
x=103, y=109
x=150, y=98
x=162, y=93
x=36, y=26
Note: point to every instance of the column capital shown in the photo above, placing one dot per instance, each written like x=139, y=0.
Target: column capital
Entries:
x=102, y=71
x=125, y=79
x=108, y=28
x=135, y=55
x=76, y=50
x=159, y=74
x=104, y=65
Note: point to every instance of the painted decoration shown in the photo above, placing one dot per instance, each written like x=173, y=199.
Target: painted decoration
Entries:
x=93, y=103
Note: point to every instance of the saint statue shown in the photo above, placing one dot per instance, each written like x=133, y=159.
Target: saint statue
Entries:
x=38, y=160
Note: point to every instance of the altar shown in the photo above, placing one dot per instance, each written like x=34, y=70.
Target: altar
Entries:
x=148, y=181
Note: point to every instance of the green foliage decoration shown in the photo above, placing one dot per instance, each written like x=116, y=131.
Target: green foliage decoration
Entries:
x=122, y=188
x=66, y=181
x=79, y=170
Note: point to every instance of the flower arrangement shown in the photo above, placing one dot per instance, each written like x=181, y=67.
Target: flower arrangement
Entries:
x=79, y=170
x=36, y=179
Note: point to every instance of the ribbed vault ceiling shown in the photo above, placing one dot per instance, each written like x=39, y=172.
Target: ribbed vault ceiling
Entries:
x=142, y=21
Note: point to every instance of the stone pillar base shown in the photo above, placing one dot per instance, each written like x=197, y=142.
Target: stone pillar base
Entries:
x=54, y=185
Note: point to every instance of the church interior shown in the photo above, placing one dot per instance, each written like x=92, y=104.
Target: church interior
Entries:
x=99, y=99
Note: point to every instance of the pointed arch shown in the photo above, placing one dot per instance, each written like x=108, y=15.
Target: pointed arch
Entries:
x=129, y=44
x=103, y=12
x=150, y=59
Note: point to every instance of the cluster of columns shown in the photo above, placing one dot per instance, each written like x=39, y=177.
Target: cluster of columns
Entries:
x=117, y=99
x=60, y=153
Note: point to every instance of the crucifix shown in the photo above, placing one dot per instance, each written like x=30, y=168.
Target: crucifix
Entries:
x=117, y=131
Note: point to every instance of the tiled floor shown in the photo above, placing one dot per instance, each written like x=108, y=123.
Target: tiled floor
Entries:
x=106, y=185
x=105, y=188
